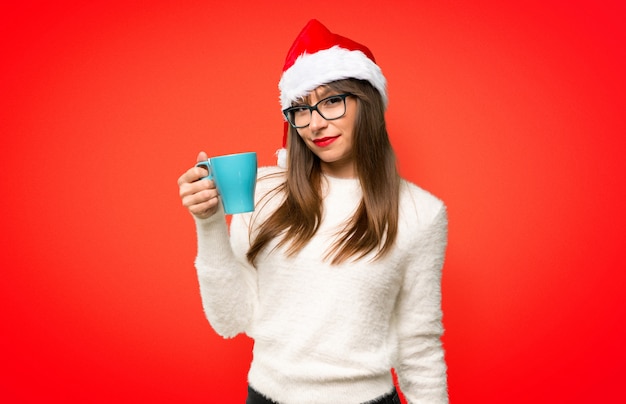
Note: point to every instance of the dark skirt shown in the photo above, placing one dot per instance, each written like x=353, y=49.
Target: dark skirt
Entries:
x=254, y=397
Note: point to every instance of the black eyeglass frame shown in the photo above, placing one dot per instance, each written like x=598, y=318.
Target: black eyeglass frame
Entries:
x=312, y=108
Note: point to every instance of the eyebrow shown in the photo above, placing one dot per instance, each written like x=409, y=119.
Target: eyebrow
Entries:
x=322, y=93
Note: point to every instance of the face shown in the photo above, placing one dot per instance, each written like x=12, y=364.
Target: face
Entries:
x=332, y=141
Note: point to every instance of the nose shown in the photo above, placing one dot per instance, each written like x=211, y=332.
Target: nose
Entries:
x=317, y=121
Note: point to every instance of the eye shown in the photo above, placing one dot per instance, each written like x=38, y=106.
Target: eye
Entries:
x=299, y=109
x=330, y=101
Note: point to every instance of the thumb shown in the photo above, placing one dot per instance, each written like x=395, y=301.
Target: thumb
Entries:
x=202, y=156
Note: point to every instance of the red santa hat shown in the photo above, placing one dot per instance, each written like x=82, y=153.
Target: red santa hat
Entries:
x=318, y=57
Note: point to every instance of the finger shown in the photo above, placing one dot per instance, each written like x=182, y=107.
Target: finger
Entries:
x=201, y=203
x=205, y=209
x=192, y=175
x=202, y=156
x=199, y=190
x=188, y=176
x=204, y=168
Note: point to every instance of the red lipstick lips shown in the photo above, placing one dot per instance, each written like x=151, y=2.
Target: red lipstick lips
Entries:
x=325, y=141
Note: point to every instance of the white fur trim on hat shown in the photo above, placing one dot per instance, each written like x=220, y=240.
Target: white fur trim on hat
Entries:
x=281, y=158
x=312, y=70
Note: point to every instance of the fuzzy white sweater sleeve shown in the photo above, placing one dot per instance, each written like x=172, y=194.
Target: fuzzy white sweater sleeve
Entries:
x=228, y=282
x=227, y=285
x=421, y=366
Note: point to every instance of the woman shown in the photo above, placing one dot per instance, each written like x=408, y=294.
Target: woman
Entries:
x=336, y=275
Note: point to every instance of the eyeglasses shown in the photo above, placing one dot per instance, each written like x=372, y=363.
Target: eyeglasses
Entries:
x=329, y=108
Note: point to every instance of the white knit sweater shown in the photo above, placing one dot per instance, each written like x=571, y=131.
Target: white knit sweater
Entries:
x=331, y=333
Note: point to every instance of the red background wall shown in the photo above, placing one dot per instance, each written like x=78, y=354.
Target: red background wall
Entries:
x=514, y=114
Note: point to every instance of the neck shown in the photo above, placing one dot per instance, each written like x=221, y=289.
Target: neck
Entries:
x=339, y=170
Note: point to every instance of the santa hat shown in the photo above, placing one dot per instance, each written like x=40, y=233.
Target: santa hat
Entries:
x=318, y=57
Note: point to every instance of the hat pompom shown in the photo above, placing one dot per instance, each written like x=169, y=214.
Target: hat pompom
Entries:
x=281, y=155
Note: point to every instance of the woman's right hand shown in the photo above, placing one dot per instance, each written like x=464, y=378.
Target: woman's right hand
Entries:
x=198, y=196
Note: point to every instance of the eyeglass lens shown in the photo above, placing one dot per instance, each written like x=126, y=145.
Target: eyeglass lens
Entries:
x=333, y=107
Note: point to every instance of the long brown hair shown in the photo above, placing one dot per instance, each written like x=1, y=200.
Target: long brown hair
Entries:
x=375, y=223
